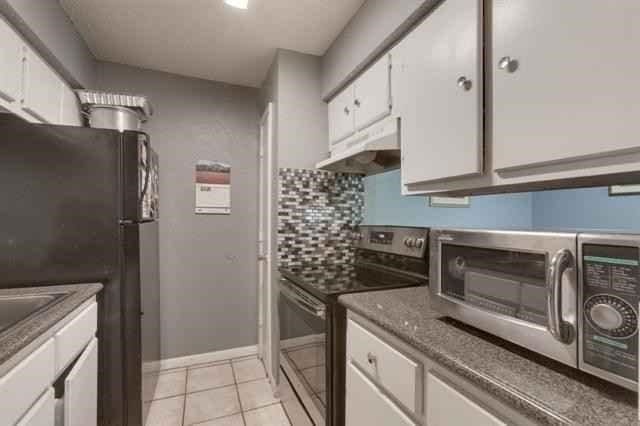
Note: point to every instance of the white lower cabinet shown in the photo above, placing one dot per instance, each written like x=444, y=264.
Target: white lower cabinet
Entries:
x=447, y=406
x=81, y=389
x=367, y=405
x=42, y=413
x=391, y=383
x=27, y=393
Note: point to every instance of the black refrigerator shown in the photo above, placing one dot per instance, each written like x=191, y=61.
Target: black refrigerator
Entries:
x=81, y=205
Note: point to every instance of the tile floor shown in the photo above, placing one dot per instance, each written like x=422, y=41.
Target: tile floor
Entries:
x=226, y=393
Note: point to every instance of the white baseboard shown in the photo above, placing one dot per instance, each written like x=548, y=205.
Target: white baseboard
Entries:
x=185, y=361
x=301, y=341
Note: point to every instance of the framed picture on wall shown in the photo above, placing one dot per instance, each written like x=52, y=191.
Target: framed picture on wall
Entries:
x=615, y=190
x=449, y=201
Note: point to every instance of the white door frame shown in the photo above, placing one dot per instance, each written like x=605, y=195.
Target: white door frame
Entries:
x=266, y=313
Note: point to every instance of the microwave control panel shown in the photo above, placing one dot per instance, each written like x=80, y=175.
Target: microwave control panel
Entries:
x=610, y=296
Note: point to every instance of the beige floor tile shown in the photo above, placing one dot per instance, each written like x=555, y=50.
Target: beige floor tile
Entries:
x=308, y=357
x=272, y=415
x=211, y=404
x=296, y=413
x=256, y=394
x=316, y=378
x=215, y=376
x=235, y=420
x=166, y=412
x=169, y=384
x=248, y=370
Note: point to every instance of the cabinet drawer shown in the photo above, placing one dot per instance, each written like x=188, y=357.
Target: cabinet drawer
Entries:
x=22, y=386
x=367, y=405
x=392, y=370
x=42, y=413
x=71, y=339
x=447, y=406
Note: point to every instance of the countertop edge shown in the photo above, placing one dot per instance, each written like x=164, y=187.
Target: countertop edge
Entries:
x=18, y=337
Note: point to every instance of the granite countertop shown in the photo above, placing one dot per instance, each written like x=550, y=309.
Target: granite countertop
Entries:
x=544, y=390
x=20, y=335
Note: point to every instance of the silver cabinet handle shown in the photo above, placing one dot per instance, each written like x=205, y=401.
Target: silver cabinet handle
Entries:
x=346, y=110
x=357, y=102
x=559, y=329
x=465, y=84
x=371, y=358
x=508, y=64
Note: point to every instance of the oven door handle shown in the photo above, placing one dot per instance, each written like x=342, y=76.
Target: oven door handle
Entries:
x=315, y=310
x=561, y=330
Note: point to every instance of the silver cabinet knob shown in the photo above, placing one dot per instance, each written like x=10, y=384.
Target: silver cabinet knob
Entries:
x=346, y=110
x=357, y=102
x=465, y=84
x=508, y=64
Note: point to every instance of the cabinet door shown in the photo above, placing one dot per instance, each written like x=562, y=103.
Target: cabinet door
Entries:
x=11, y=55
x=564, y=80
x=69, y=110
x=372, y=94
x=42, y=413
x=446, y=406
x=42, y=89
x=341, y=124
x=367, y=405
x=441, y=95
x=81, y=389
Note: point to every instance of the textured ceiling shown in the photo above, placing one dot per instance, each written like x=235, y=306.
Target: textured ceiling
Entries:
x=206, y=38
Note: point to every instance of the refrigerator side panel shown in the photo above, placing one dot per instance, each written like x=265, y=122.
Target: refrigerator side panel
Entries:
x=131, y=311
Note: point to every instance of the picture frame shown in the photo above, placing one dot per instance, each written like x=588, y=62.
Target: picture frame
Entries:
x=450, y=202
x=621, y=190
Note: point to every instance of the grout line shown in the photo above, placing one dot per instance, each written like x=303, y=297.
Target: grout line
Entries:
x=184, y=401
x=235, y=380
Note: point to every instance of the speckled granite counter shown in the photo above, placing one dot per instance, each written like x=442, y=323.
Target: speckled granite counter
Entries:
x=544, y=390
x=17, y=337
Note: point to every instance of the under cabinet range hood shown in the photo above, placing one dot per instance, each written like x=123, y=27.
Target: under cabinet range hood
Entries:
x=373, y=150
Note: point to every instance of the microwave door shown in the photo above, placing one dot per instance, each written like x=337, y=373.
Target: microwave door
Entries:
x=520, y=286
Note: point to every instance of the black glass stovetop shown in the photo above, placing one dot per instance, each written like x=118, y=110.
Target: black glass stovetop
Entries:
x=327, y=281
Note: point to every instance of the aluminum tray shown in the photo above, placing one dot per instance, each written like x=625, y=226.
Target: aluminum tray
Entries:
x=93, y=97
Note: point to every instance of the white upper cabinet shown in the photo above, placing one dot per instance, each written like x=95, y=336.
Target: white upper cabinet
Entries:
x=362, y=103
x=372, y=94
x=341, y=121
x=42, y=89
x=440, y=95
x=11, y=60
x=565, y=81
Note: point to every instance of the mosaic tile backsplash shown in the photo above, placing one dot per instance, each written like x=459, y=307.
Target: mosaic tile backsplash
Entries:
x=318, y=212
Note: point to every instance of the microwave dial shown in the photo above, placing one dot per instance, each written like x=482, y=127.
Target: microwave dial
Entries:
x=611, y=316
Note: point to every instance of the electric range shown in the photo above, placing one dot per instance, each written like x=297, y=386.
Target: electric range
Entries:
x=313, y=323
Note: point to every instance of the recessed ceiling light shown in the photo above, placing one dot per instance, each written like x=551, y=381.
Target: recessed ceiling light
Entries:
x=240, y=4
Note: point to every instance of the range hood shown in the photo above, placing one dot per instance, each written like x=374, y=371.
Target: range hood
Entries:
x=373, y=150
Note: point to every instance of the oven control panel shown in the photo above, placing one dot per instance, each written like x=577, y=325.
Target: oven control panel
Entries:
x=610, y=292
x=404, y=241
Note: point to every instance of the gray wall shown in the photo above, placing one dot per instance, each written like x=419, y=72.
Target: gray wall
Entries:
x=208, y=274
x=293, y=84
x=302, y=115
x=46, y=26
x=373, y=29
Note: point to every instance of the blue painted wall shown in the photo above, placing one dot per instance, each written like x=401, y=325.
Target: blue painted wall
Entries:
x=384, y=205
x=591, y=208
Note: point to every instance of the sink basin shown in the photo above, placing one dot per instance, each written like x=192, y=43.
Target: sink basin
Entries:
x=14, y=309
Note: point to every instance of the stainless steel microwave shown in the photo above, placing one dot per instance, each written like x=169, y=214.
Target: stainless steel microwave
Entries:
x=570, y=296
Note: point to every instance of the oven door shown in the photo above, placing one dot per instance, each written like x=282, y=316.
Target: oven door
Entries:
x=303, y=326
x=520, y=286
